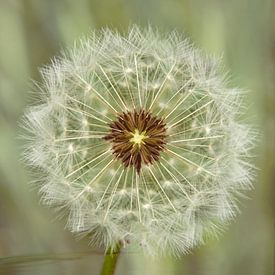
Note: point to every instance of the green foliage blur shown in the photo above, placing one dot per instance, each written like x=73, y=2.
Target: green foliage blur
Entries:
x=33, y=31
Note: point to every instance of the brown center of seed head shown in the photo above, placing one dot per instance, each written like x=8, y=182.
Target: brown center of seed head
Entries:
x=137, y=138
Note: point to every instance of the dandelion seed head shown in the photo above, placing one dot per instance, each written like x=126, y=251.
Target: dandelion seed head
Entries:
x=140, y=141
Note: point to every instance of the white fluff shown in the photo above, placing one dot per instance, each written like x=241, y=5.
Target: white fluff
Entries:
x=190, y=192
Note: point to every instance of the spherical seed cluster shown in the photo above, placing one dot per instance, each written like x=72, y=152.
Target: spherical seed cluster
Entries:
x=139, y=142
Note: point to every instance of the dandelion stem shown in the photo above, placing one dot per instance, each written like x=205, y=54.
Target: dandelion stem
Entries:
x=110, y=260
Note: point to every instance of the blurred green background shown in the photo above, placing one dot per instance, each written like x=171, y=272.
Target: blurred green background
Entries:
x=33, y=31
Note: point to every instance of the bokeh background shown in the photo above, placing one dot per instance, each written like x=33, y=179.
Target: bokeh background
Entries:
x=33, y=31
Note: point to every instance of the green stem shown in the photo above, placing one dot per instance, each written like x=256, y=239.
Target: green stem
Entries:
x=110, y=261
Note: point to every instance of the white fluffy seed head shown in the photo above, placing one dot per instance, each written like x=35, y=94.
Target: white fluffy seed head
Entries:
x=190, y=191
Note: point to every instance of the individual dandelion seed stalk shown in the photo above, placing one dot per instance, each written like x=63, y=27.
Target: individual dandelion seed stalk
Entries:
x=139, y=140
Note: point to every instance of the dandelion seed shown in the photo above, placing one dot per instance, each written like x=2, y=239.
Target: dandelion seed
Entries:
x=140, y=140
